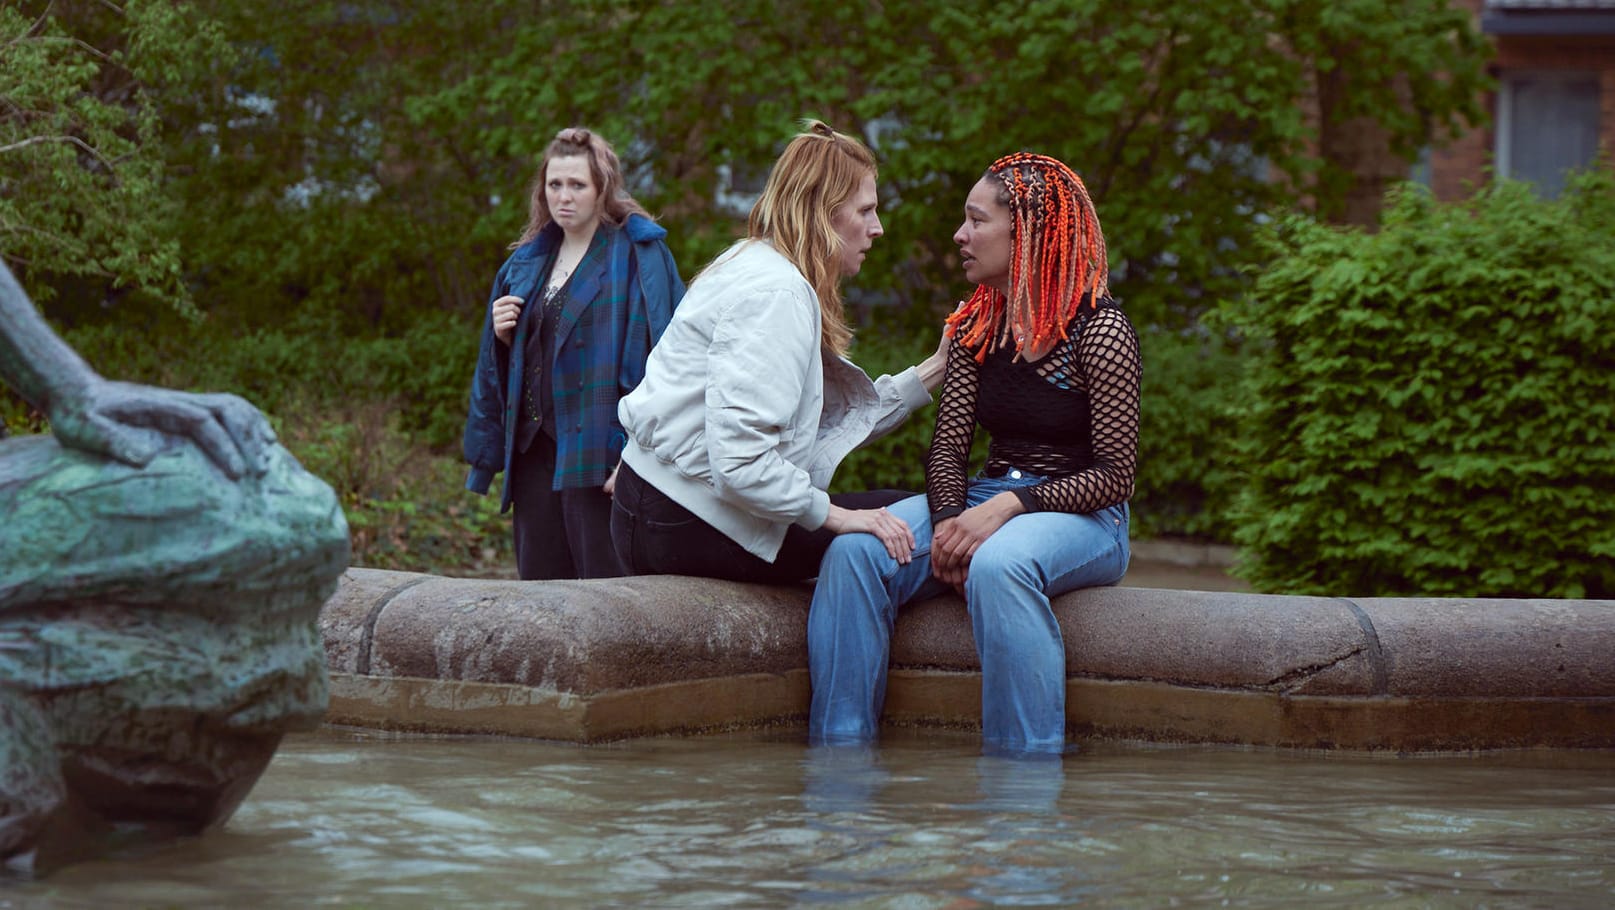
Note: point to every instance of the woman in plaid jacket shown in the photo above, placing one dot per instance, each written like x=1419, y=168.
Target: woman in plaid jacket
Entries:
x=571, y=318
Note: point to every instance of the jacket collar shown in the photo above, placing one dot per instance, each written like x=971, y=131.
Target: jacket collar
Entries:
x=638, y=228
x=641, y=229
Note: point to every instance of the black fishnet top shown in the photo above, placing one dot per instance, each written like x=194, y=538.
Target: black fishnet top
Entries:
x=1071, y=416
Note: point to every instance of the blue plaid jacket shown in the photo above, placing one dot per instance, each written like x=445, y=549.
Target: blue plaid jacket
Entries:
x=612, y=316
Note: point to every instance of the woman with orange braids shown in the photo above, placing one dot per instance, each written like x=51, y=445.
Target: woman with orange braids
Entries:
x=1045, y=361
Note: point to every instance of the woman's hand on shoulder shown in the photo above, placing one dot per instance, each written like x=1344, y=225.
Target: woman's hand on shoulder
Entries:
x=933, y=368
x=506, y=310
x=893, y=532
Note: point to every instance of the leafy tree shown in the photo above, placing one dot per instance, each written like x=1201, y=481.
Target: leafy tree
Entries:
x=1179, y=116
x=377, y=155
x=81, y=168
x=352, y=158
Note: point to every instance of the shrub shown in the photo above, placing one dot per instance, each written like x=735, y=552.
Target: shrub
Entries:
x=406, y=506
x=312, y=364
x=1187, y=466
x=1430, y=407
x=379, y=418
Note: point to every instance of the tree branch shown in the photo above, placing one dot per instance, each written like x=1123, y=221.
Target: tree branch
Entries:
x=72, y=140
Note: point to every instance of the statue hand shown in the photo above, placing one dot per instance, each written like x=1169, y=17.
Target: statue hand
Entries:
x=132, y=423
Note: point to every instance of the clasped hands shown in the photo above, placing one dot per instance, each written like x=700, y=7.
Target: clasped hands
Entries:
x=954, y=541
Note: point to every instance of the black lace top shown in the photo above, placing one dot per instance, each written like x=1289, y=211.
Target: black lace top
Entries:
x=1071, y=416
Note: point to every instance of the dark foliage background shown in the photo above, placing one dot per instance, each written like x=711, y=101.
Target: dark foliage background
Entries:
x=305, y=206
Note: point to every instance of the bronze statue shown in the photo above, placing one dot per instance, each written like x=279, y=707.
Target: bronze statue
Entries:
x=163, y=561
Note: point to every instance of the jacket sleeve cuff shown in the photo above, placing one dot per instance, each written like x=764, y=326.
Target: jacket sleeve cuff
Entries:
x=817, y=512
x=478, y=479
x=945, y=512
x=912, y=390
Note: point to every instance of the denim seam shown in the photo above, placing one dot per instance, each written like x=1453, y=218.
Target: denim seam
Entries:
x=886, y=577
x=1083, y=565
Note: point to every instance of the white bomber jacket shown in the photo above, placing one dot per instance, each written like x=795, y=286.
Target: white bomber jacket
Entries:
x=741, y=417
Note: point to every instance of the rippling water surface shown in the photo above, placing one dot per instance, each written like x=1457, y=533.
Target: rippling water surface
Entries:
x=924, y=821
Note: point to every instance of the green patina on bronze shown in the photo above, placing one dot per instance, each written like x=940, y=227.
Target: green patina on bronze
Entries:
x=163, y=562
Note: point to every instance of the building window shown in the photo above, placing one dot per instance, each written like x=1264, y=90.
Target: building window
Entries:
x=1420, y=171
x=1547, y=125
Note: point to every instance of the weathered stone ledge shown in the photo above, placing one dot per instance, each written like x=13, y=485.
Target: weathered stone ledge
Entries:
x=588, y=661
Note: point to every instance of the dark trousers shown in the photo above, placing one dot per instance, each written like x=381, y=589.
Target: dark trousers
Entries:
x=558, y=533
x=654, y=535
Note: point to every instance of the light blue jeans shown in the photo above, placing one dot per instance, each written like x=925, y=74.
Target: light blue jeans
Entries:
x=1033, y=557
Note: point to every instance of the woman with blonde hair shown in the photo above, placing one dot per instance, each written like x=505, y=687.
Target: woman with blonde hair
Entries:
x=749, y=403
x=1048, y=363
x=602, y=287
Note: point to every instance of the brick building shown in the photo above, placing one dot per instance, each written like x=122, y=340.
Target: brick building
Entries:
x=1554, y=106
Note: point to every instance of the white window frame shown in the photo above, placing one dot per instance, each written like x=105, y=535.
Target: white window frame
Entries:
x=1502, y=151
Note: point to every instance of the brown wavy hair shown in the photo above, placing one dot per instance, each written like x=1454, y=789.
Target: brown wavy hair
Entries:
x=614, y=201
x=819, y=171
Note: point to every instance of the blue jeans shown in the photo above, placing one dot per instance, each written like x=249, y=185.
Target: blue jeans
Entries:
x=1033, y=557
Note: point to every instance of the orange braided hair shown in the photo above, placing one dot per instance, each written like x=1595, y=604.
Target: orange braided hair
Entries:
x=1058, y=261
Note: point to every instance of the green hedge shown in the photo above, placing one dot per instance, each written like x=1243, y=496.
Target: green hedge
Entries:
x=313, y=364
x=1187, y=466
x=1429, y=408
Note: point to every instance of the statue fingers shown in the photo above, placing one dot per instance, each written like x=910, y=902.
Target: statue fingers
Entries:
x=212, y=438
x=134, y=446
x=248, y=428
x=178, y=414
